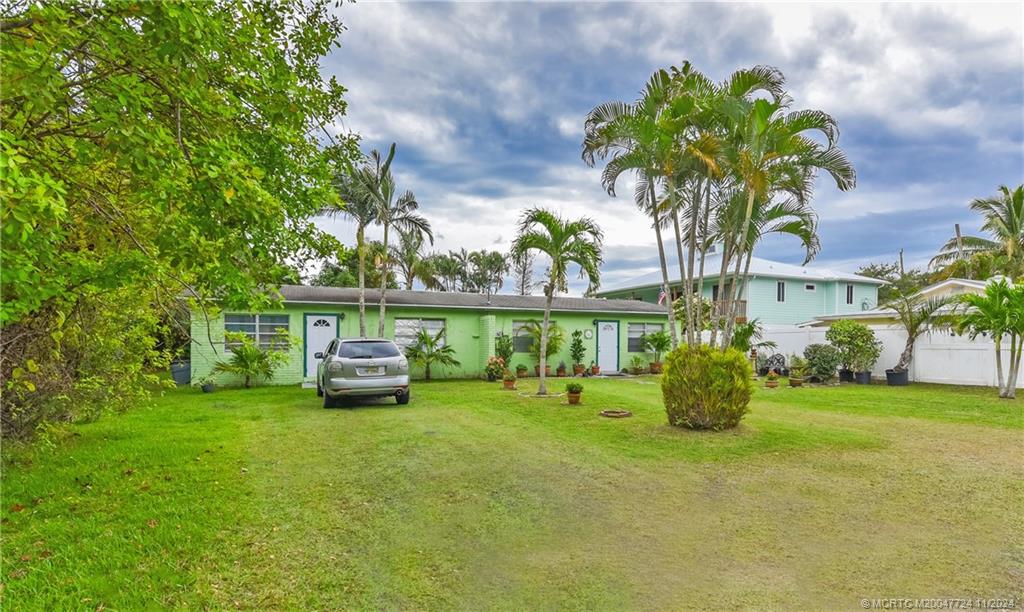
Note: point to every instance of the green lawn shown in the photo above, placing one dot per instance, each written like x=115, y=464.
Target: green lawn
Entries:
x=473, y=497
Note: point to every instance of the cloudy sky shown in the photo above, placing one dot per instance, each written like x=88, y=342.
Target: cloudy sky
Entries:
x=486, y=102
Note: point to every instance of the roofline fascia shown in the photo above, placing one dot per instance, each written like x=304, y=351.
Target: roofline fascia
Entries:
x=484, y=307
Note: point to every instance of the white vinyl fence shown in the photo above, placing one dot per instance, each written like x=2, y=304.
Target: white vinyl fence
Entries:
x=939, y=357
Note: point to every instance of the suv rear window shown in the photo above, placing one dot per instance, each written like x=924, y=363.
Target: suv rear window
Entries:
x=367, y=350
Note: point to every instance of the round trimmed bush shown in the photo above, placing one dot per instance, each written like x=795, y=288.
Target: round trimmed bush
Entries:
x=704, y=388
x=823, y=360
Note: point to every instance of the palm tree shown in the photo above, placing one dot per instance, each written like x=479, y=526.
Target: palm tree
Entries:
x=359, y=202
x=768, y=150
x=999, y=312
x=565, y=242
x=429, y=350
x=1004, y=223
x=917, y=316
x=489, y=269
x=411, y=262
x=400, y=213
x=448, y=270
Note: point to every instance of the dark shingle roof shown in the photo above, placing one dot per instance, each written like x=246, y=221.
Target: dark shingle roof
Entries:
x=442, y=299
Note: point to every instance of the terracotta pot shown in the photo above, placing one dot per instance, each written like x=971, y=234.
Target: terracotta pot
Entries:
x=536, y=370
x=578, y=369
x=521, y=373
x=595, y=370
x=655, y=367
x=561, y=372
x=509, y=384
x=771, y=384
x=574, y=398
x=796, y=382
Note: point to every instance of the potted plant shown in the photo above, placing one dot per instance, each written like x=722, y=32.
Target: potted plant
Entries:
x=495, y=367
x=917, y=315
x=594, y=369
x=864, y=358
x=848, y=337
x=658, y=343
x=521, y=371
x=577, y=352
x=636, y=365
x=561, y=369
x=503, y=347
x=797, y=370
x=206, y=383
x=574, y=389
x=773, y=380
x=509, y=380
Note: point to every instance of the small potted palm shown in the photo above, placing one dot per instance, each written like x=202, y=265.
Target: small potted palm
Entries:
x=509, y=380
x=658, y=343
x=561, y=371
x=797, y=371
x=636, y=365
x=521, y=371
x=574, y=390
x=772, y=381
x=577, y=352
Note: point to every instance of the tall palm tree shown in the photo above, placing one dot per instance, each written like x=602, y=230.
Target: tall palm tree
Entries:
x=631, y=134
x=1004, y=223
x=999, y=313
x=565, y=242
x=769, y=148
x=412, y=263
x=448, y=270
x=359, y=202
x=489, y=269
x=400, y=213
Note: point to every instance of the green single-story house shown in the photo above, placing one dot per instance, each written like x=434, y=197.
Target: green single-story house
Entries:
x=313, y=316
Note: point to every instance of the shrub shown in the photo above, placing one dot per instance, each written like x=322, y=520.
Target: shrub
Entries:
x=797, y=366
x=851, y=338
x=252, y=361
x=576, y=349
x=637, y=364
x=503, y=347
x=495, y=366
x=704, y=388
x=658, y=343
x=573, y=387
x=822, y=360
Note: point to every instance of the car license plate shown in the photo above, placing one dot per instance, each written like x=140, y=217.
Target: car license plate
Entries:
x=376, y=371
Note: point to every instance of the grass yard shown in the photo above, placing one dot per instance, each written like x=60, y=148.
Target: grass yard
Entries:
x=473, y=497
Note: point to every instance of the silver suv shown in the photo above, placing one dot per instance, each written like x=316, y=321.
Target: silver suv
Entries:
x=361, y=367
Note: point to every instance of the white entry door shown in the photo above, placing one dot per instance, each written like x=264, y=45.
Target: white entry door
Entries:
x=608, y=346
x=320, y=330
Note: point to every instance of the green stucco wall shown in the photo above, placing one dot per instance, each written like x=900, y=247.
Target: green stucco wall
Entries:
x=470, y=332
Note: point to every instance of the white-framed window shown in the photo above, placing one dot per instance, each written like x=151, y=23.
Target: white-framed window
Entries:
x=521, y=340
x=780, y=291
x=635, y=333
x=849, y=293
x=262, y=328
x=406, y=330
x=810, y=287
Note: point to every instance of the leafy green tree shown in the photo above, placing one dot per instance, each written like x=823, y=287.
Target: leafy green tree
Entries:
x=344, y=271
x=431, y=350
x=850, y=338
x=576, y=349
x=251, y=361
x=999, y=313
x=503, y=347
x=658, y=343
x=1003, y=222
x=564, y=242
x=152, y=149
x=906, y=283
x=488, y=271
x=412, y=263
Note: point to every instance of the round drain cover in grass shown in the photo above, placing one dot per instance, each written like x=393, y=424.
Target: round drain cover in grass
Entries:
x=616, y=414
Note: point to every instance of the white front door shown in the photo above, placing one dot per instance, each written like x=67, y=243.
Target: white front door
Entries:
x=608, y=346
x=320, y=330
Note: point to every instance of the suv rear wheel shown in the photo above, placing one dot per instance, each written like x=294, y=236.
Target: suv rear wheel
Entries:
x=330, y=402
x=402, y=398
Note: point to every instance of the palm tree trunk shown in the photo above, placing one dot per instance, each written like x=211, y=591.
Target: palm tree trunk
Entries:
x=385, y=271
x=426, y=370
x=1016, y=344
x=741, y=245
x=999, y=365
x=683, y=278
x=543, y=389
x=692, y=336
x=664, y=266
x=735, y=290
x=906, y=355
x=728, y=305
x=361, y=252
x=716, y=319
x=698, y=316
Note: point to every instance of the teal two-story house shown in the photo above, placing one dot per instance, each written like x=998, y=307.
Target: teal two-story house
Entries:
x=773, y=292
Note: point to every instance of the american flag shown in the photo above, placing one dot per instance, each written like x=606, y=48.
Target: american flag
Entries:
x=662, y=296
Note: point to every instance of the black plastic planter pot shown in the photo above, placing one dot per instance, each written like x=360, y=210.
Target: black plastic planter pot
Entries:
x=845, y=375
x=862, y=378
x=897, y=379
x=181, y=372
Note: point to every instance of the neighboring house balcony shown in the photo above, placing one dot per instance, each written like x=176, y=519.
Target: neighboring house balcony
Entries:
x=741, y=310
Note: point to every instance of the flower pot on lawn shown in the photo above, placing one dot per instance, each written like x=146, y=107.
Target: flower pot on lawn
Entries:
x=796, y=382
x=510, y=384
x=574, y=398
x=578, y=369
x=862, y=378
x=771, y=384
x=897, y=379
x=655, y=367
x=845, y=375
x=595, y=370
x=207, y=387
x=521, y=372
